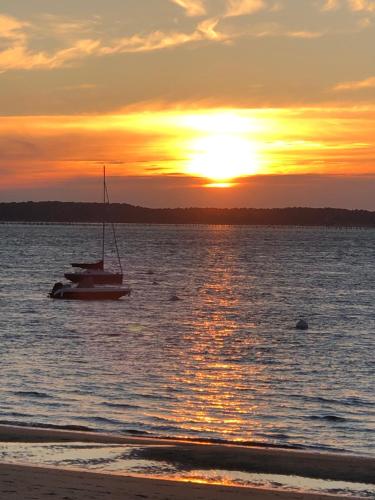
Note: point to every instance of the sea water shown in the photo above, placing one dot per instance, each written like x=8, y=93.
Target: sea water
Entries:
x=225, y=362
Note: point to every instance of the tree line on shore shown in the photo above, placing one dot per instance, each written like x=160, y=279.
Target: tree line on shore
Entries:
x=71, y=212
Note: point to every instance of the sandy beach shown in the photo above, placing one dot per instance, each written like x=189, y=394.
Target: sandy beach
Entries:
x=34, y=483
x=31, y=481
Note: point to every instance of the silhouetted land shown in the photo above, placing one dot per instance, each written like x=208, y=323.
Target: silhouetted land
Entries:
x=56, y=211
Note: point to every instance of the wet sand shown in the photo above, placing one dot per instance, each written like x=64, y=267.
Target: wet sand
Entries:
x=19, y=482
x=31, y=482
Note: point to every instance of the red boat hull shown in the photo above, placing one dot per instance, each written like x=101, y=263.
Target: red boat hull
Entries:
x=98, y=279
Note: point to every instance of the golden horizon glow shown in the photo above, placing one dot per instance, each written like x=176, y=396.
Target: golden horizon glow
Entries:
x=220, y=145
x=220, y=185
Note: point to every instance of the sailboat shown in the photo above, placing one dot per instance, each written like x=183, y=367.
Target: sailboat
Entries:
x=90, y=283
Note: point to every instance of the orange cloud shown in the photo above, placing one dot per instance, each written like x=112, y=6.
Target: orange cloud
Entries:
x=192, y=7
x=356, y=85
x=304, y=34
x=20, y=57
x=208, y=31
x=353, y=5
x=76, y=39
x=12, y=28
x=276, y=30
x=243, y=7
x=362, y=5
x=160, y=40
x=331, y=5
x=18, y=54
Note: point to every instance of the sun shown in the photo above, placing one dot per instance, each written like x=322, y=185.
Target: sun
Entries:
x=222, y=157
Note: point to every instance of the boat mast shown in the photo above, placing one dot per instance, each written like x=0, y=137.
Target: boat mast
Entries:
x=104, y=211
x=114, y=232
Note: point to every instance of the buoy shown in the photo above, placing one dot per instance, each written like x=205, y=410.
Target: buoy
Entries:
x=174, y=298
x=302, y=325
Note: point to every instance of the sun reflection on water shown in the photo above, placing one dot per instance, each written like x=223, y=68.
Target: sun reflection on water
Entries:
x=211, y=376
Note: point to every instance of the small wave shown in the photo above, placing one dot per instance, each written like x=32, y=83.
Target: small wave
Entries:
x=328, y=418
x=57, y=404
x=201, y=439
x=122, y=406
x=40, y=425
x=100, y=420
x=273, y=436
x=355, y=401
x=158, y=397
x=33, y=394
x=15, y=414
x=135, y=432
x=169, y=429
x=350, y=401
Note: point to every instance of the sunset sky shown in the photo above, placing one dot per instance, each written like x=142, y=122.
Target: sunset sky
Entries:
x=258, y=103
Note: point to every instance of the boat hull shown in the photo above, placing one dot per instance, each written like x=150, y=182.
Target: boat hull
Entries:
x=97, y=278
x=89, y=294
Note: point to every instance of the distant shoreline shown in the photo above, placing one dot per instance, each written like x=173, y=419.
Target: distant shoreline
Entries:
x=274, y=226
x=57, y=212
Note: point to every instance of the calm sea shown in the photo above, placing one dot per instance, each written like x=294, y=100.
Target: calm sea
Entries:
x=224, y=362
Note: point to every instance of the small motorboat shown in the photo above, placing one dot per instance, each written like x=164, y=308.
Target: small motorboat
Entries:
x=87, y=290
